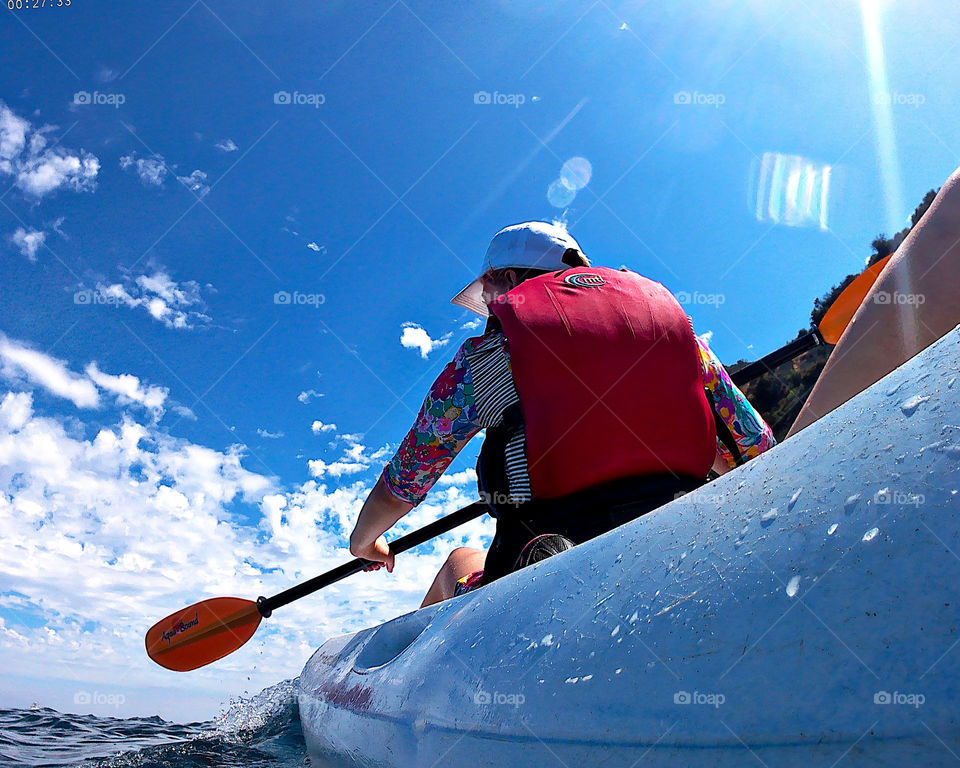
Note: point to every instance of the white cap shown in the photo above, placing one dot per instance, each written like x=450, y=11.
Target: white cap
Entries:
x=531, y=245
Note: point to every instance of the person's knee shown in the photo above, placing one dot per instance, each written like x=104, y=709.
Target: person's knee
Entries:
x=459, y=556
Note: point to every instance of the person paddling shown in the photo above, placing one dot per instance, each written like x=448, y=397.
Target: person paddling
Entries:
x=599, y=403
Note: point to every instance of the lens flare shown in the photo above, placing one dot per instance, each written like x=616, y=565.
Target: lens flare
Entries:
x=870, y=12
x=560, y=195
x=576, y=172
x=792, y=190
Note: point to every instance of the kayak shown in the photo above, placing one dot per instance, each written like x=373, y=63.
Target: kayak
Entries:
x=801, y=610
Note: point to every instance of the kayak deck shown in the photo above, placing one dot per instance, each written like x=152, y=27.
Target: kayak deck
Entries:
x=799, y=611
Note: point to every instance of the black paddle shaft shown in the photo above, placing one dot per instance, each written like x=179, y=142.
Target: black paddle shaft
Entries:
x=777, y=357
x=267, y=605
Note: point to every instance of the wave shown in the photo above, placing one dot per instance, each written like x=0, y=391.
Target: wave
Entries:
x=257, y=732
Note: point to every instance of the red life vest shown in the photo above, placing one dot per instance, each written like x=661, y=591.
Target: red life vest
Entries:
x=609, y=379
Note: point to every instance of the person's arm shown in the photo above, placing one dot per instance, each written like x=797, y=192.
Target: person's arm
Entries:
x=447, y=420
x=749, y=431
x=380, y=512
x=914, y=302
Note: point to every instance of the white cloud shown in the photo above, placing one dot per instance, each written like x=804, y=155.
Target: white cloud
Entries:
x=471, y=325
x=136, y=523
x=355, y=459
x=317, y=248
x=19, y=363
x=176, y=305
x=29, y=241
x=227, y=145
x=707, y=337
x=151, y=170
x=320, y=468
x=269, y=435
x=128, y=389
x=15, y=410
x=38, y=169
x=319, y=426
x=467, y=476
x=184, y=413
x=195, y=182
x=307, y=395
x=13, y=133
x=415, y=337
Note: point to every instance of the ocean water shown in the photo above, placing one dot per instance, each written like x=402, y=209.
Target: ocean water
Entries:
x=257, y=732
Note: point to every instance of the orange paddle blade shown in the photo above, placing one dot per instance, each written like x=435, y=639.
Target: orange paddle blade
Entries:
x=841, y=312
x=202, y=633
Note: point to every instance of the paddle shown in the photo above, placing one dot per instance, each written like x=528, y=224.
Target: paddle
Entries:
x=831, y=327
x=211, y=629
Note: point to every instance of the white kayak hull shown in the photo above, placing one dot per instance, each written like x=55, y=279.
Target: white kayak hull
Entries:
x=799, y=611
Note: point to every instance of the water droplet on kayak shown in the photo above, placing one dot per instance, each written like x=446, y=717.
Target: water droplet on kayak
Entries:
x=634, y=618
x=619, y=558
x=793, y=499
x=618, y=671
x=832, y=529
x=768, y=517
x=910, y=405
x=792, y=586
x=616, y=631
x=572, y=680
x=586, y=677
x=851, y=503
x=871, y=534
x=547, y=640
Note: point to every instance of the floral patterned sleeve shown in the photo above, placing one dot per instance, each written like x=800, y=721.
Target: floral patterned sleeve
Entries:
x=447, y=420
x=748, y=428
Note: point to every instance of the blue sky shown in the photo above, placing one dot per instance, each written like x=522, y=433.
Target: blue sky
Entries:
x=157, y=398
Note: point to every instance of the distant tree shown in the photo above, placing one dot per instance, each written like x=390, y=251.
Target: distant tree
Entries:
x=881, y=246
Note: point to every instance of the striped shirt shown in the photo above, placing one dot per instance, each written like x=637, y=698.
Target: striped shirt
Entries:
x=476, y=388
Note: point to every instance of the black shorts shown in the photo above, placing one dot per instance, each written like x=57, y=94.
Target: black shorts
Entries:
x=580, y=516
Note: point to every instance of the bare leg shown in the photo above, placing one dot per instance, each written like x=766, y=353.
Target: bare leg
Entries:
x=915, y=301
x=461, y=562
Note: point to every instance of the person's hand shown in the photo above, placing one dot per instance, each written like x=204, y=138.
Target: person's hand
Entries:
x=378, y=551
